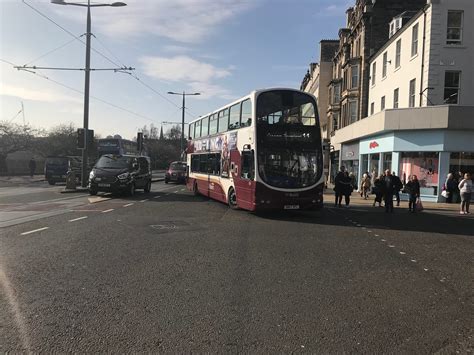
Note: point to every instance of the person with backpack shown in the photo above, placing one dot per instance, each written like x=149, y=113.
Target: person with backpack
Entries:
x=412, y=187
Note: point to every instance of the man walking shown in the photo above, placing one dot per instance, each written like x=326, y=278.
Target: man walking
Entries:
x=339, y=184
x=32, y=166
x=398, y=185
x=388, y=187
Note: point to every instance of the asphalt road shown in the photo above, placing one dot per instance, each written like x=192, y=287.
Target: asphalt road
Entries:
x=171, y=272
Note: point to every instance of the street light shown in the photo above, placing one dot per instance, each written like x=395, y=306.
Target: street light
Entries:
x=182, y=118
x=87, y=77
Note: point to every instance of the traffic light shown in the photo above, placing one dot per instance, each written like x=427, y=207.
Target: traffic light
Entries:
x=80, y=138
x=140, y=141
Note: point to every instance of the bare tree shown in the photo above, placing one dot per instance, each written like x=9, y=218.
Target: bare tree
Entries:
x=14, y=138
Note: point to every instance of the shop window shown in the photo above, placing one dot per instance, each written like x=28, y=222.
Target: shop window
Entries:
x=374, y=165
x=425, y=166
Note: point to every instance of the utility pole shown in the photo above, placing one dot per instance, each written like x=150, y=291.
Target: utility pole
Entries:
x=184, y=94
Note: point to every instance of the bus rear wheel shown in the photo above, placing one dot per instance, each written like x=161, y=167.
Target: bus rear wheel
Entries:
x=232, y=199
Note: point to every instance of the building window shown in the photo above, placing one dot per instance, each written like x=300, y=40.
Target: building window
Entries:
x=382, y=103
x=384, y=65
x=374, y=72
x=414, y=40
x=335, y=121
x=454, y=31
x=355, y=76
x=451, y=87
x=395, y=98
x=411, y=98
x=353, y=111
x=398, y=53
x=372, y=108
x=357, y=47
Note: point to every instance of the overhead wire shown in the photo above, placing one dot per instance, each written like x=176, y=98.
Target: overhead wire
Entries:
x=107, y=58
x=52, y=51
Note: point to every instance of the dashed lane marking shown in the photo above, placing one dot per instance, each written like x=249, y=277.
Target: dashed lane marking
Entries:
x=77, y=219
x=413, y=260
x=157, y=197
x=35, y=230
x=107, y=211
x=145, y=200
x=402, y=253
x=128, y=205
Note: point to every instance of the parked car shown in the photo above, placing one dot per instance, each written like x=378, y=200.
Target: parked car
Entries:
x=120, y=173
x=176, y=172
x=57, y=167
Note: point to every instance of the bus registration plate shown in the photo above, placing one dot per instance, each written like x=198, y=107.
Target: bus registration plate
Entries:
x=103, y=185
x=291, y=207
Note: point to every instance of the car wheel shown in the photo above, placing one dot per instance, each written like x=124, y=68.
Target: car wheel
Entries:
x=51, y=182
x=195, y=189
x=148, y=187
x=92, y=192
x=232, y=199
x=131, y=189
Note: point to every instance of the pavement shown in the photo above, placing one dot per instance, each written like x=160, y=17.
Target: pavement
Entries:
x=172, y=272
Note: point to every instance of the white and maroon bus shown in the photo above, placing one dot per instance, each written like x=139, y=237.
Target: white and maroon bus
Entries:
x=261, y=152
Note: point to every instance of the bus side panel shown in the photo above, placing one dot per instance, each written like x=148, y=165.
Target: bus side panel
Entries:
x=244, y=188
x=216, y=191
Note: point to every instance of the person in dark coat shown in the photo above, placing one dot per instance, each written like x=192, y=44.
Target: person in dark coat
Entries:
x=451, y=186
x=388, y=188
x=339, y=182
x=347, y=188
x=377, y=190
x=399, y=186
x=32, y=166
x=412, y=187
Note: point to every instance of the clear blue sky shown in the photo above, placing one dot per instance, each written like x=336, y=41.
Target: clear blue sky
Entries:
x=222, y=48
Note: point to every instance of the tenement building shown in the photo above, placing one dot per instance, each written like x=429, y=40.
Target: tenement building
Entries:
x=417, y=116
x=367, y=30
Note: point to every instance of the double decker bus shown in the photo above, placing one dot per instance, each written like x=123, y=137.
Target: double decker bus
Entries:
x=261, y=152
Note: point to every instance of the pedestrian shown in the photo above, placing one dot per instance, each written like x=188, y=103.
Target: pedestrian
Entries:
x=348, y=187
x=377, y=190
x=365, y=186
x=339, y=186
x=412, y=187
x=450, y=187
x=465, y=188
x=32, y=166
x=398, y=185
x=388, y=188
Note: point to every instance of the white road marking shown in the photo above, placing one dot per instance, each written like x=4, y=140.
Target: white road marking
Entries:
x=176, y=191
x=377, y=235
x=35, y=230
x=183, y=189
x=77, y=219
x=107, y=211
x=369, y=231
x=383, y=240
x=413, y=260
x=402, y=253
x=128, y=205
x=425, y=269
x=145, y=200
x=391, y=246
x=157, y=197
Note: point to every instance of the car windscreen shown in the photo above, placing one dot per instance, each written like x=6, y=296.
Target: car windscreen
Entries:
x=178, y=166
x=114, y=162
x=56, y=161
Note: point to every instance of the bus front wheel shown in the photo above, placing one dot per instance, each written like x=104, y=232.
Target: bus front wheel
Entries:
x=232, y=199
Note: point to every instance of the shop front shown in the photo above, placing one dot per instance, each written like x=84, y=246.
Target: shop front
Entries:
x=430, y=155
x=350, y=158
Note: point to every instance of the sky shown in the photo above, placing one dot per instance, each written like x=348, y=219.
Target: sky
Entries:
x=223, y=49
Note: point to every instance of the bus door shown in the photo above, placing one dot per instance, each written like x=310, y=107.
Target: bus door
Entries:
x=243, y=174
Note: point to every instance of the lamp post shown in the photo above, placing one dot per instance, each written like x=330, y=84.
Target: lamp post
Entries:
x=184, y=94
x=87, y=77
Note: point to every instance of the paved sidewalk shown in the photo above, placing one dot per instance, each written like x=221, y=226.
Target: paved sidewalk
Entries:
x=356, y=200
x=22, y=179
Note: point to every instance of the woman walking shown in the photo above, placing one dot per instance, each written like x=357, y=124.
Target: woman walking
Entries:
x=365, y=186
x=465, y=188
x=378, y=190
x=412, y=187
